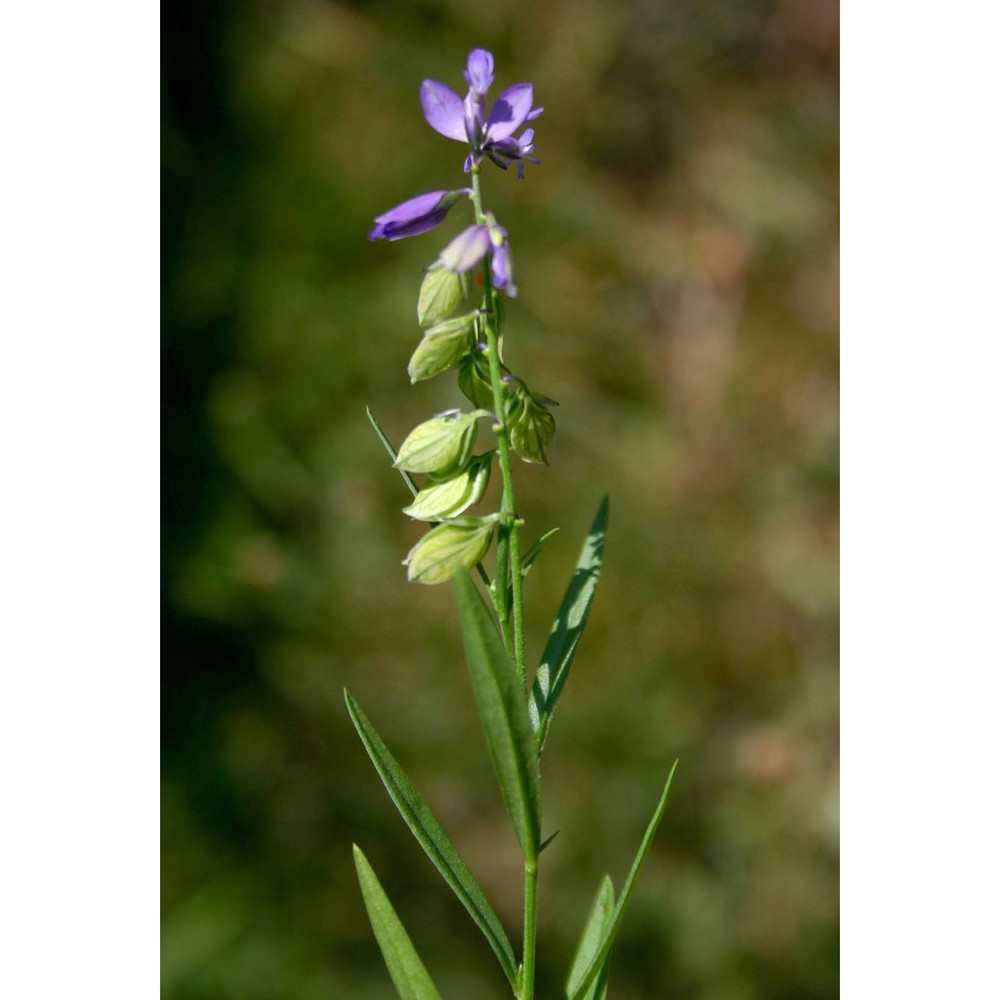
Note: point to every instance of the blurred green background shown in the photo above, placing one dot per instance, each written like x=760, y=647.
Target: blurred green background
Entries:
x=676, y=255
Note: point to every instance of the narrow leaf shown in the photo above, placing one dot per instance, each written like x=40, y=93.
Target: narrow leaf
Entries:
x=597, y=925
x=548, y=840
x=568, y=628
x=503, y=714
x=608, y=935
x=407, y=478
x=529, y=557
x=411, y=979
x=433, y=839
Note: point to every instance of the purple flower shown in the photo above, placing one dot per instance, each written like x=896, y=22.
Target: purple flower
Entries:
x=416, y=215
x=471, y=245
x=465, y=121
x=467, y=249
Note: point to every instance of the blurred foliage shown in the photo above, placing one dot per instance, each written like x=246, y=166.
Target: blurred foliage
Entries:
x=676, y=255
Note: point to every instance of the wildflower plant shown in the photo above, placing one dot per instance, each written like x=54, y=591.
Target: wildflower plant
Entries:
x=460, y=308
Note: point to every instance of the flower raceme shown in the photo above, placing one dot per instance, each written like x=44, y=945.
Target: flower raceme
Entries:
x=487, y=135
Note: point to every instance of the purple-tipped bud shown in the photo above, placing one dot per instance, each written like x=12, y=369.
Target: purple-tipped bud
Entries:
x=479, y=72
x=415, y=216
x=502, y=269
x=466, y=250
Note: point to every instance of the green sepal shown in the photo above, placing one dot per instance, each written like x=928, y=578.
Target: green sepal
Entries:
x=450, y=497
x=440, y=294
x=474, y=380
x=503, y=714
x=433, y=839
x=411, y=979
x=568, y=627
x=449, y=547
x=607, y=938
x=597, y=926
x=530, y=426
x=439, y=445
x=443, y=346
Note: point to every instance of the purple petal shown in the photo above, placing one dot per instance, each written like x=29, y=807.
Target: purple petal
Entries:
x=509, y=111
x=412, y=209
x=443, y=109
x=502, y=269
x=533, y=114
x=467, y=249
x=479, y=72
x=415, y=216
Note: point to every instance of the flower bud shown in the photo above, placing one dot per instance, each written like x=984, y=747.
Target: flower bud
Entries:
x=439, y=445
x=530, y=426
x=443, y=346
x=474, y=380
x=447, y=548
x=451, y=497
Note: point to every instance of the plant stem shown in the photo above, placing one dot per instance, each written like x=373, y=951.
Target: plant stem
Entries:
x=507, y=568
x=528, y=966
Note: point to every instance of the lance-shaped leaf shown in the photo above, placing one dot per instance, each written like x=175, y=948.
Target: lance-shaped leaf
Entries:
x=450, y=497
x=593, y=969
x=598, y=924
x=409, y=976
x=503, y=714
x=527, y=561
x=440, y=294
x=387, y=444
x=440, y=444
x=449, y=547
x=568, y=628
x=433, y=839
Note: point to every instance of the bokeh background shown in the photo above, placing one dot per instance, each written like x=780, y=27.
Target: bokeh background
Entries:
x=676, y=255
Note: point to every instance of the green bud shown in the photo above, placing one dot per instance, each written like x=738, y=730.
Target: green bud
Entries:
x=474, y=380
x=440, y=293
x=444, y=345
x=530, y=426
x=451, y=497
x=448, y=547
x=441, y=444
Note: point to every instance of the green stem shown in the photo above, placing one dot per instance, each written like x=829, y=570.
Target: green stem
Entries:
x=508, y=566
x=509, y=550
x=528, y=966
